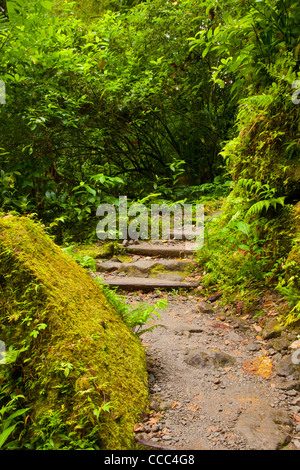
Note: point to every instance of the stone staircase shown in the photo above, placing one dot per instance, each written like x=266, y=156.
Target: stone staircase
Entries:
x=159, y=264
x=154, y=264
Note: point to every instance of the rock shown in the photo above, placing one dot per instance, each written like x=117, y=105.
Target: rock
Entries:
x=291, y=393
x=155, y=428
x=107, y=266
x=165, y=405
x=296, y=402
x=272, y=329
x=232, y=336
x=290, y=385
x=264, y=428
x=154, y=405
x=286, y=367
x=170, y=276
x=208, y=358
x=205, y=307
x=252, y=347
x=280, y=344
x=296, y=443
x=74, y=309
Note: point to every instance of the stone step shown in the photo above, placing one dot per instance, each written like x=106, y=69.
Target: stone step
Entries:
x=181, y=250
x=146, y=266
x=147, y=284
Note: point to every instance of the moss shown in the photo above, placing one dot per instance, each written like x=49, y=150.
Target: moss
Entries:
x=88, y=250
x=297, y=218
x=292, y=267
x=107, y=250
x=85, y=356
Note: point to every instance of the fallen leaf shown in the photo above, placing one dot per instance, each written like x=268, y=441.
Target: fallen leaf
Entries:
x=137, y=427
x=153, y=421
x=166, y=431
x=257, y=328
x=175, y=404
x=261, y=366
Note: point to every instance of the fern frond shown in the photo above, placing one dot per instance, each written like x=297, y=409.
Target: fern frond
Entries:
x=259, y=206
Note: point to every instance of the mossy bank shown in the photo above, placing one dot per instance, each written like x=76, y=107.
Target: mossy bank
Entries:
x=77, y=366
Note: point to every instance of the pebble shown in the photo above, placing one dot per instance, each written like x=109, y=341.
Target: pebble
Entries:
x=165, y=405
x=291, y=393
x=296, y=443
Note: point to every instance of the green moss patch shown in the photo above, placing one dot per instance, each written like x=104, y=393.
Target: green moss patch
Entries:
x=74, y=357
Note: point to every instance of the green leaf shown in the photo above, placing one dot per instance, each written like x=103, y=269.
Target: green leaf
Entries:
x=47, y=5
x=205, y=52
x=244, y=247
x=6, y=433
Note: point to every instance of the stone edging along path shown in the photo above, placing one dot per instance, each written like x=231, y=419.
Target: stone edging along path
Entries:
x=217, y=381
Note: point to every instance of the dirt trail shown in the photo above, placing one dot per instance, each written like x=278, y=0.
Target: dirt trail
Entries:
x=216, y=380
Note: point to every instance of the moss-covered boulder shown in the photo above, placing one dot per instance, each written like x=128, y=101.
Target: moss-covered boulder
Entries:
x=80, y=368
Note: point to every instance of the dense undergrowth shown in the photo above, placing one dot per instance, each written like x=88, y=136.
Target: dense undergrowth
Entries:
x=162, y=102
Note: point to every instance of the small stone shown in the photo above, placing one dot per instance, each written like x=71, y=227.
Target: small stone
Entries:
x=253, y=347
x=166, y=437
x=154, y=405
x=205, y=307
x=291, y=393
x=165, y=405
x=296, y=401
x=296, y=443
x=155, y=428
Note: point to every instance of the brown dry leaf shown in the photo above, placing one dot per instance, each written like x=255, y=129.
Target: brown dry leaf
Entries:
x=245, y=317
x=261, y=366
x=137, y=427
x=166, y=431
x=269, y=303
x=257, y=328
x=153, y=421
x=297, y=418
x=175, y=403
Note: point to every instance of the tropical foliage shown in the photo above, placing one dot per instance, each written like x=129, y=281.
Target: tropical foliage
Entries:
x=160, y=101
